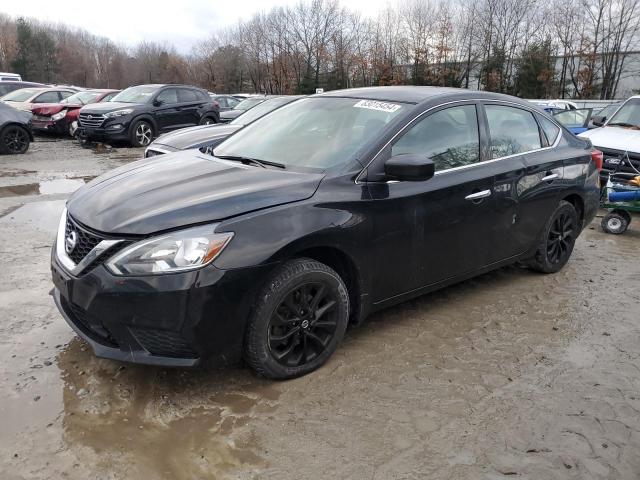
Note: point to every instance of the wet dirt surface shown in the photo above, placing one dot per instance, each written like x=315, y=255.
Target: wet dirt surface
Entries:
x=510, y=375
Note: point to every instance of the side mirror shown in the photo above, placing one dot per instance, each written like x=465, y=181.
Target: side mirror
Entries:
x=598, y=120
x=157, y=103
x=409, y=167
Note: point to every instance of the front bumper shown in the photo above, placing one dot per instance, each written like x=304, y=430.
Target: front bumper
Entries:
x=178, y=320
x=115, y=132
x=48, y=125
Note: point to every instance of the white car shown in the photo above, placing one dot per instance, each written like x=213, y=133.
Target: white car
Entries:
x=619, y=140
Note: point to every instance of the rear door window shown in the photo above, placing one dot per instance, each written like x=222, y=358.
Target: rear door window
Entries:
x=512, y=130
x=448, y=137
x=47, y=97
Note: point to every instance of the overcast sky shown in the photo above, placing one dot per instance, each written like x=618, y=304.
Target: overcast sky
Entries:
x=181, y=22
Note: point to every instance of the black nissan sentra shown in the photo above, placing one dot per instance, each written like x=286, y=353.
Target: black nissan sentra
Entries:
x=313, y=217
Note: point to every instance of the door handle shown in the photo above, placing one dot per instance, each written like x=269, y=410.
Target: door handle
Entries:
x=478, y=195
x=550, y=177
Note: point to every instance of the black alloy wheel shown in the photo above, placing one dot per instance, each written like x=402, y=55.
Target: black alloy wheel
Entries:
x=303, y=325
x=14, y=140
x=558, y=239
x=299, y=319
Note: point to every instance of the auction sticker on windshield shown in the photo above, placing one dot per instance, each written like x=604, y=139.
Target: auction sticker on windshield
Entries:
x=375, y=105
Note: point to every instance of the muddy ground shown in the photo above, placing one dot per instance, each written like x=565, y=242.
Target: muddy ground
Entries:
x=510, y=375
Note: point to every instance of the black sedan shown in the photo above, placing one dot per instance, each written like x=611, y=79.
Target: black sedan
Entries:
x=313, y=217
x=205, y=137
x=15, y=130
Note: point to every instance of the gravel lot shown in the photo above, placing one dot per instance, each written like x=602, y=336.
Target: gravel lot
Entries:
x=512, y=374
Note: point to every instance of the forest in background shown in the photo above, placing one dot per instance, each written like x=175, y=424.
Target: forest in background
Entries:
x=529, y=48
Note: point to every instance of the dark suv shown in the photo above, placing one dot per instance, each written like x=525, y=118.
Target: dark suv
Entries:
x=138, y=114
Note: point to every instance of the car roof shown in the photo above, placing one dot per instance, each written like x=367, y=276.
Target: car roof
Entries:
x=417, y=94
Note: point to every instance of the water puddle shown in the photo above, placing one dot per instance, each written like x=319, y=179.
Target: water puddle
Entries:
x=45, y=215
x=46, y=187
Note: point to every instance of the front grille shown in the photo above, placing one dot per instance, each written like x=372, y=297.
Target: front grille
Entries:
x=90, y=326
x=91, y=120
x=85, y=242
x=163, y=343
x=629, y=161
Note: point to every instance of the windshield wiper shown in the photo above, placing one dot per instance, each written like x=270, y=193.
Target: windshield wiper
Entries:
x=248, y=160
x=623, y=124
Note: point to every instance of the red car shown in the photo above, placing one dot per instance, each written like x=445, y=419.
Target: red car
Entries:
x=62, y=117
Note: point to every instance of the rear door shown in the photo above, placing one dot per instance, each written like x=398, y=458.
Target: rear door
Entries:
x=167, y=114
x=528, y=175
x=190, y=104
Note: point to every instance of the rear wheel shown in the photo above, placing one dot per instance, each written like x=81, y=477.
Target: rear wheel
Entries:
x=14, y=139
x=558, y=238
x=616, y=222
x=299, y=320
x=141, y=133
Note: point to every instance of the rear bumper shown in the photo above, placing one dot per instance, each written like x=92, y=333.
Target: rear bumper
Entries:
x=178, y=320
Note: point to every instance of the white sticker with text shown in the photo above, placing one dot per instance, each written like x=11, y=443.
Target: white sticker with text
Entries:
x=376, y=105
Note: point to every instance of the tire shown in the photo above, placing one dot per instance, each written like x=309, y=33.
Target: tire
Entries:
x=616, y=222
x=298, y=321
x=73, y=129
x=557, y=241
x=14, y=140
x=207, y=121
x=141, y=134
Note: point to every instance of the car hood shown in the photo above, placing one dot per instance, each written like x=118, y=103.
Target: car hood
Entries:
x=24, y=106
x=106, y=107
x=196, y=137
x=10, y=114
x=616, y=138
x=181, y=189
x=48, y=108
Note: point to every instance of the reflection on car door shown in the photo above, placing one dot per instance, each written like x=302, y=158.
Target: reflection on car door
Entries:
x=427, y=232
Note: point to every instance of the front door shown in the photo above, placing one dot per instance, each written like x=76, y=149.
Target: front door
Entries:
x=427, y=232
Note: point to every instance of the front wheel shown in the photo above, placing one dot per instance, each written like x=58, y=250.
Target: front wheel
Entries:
x=141, y=133
x=207, y=121
x=299, y=319
x=558, y=239
x=14, y=140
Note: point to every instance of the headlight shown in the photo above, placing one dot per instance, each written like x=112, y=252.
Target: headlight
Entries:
x=175, y=252
x=57, y=116
x=119, y=113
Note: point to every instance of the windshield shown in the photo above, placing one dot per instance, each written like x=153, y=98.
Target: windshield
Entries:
x=139, y=94
x=81, y=97
x=629, y=114
x=608, y=110
x=21, y=95
x=248, y=103
x=317, y=133
x=262, y=109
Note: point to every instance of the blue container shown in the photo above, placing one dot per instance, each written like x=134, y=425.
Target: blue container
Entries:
x=624, y=196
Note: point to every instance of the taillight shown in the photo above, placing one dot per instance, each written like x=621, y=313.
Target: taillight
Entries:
x=598, y=158
x=215, y=104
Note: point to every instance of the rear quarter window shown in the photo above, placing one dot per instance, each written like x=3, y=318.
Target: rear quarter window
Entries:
x=550, y=129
